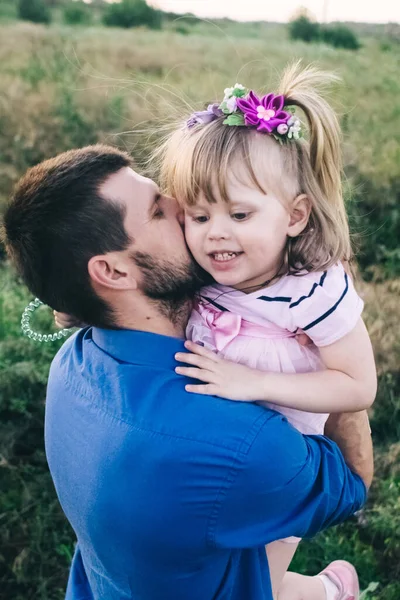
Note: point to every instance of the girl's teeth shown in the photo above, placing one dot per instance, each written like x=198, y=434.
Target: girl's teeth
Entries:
x=224, y=256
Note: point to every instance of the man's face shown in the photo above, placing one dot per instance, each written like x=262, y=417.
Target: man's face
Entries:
x=164, y=266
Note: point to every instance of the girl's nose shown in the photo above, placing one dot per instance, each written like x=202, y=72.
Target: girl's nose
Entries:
x=218, y=231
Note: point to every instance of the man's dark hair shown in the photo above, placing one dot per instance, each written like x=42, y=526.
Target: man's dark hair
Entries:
x=57, y=220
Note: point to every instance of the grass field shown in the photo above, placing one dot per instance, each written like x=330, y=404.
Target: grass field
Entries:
x=63, y=87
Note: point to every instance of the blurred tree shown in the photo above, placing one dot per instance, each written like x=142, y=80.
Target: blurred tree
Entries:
x=77, y=13
x=302, y=28
x=34, y=10
x=340, y=36
x=132, y=13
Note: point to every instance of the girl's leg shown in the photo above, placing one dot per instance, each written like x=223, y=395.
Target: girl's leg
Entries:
x=338, y=581
x=301, y=587
x=280, y=556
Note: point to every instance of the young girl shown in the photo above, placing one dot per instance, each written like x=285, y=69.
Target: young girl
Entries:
x=265, y=217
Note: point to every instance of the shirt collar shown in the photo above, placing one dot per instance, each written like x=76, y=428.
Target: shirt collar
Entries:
x=137, y=347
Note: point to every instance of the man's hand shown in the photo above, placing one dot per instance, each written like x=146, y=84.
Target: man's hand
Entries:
x=352, y=433
x=303, y=339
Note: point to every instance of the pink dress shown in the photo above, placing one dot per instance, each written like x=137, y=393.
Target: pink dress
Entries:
x=258, y=329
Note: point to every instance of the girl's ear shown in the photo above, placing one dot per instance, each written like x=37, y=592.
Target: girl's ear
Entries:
x=299, y=215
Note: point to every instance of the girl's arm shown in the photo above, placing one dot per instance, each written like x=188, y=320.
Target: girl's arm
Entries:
x=348, y=384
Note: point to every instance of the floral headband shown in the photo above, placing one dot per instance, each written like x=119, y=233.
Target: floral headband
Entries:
x=242, y=107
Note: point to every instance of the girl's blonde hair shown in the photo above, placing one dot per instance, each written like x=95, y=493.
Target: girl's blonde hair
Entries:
x=199, y=160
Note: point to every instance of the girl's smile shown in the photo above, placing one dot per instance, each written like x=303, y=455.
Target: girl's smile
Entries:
x=224, y=260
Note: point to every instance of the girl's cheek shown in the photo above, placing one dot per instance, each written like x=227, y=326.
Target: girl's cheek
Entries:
x=181, y=219
x=187, y=230
x=192, y=240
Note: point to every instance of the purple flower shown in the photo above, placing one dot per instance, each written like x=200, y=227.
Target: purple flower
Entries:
x=203, y=117
x=266, y=113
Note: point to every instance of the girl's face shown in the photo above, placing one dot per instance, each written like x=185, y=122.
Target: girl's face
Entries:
x=241, y=242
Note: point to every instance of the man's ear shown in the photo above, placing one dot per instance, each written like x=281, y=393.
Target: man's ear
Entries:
x=112, y=271
x=299, y=214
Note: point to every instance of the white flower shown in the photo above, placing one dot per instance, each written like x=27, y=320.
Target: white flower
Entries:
x=294, y=129
x=228, y=92
x=239, y=86
x=231, y=104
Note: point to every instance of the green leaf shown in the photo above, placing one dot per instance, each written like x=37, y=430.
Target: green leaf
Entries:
x=224, y=108
x=239, y=93
x=372, y=587
x=235, y=119
x=278, y=138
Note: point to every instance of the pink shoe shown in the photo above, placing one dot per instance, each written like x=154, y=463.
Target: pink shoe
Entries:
x=345, y=577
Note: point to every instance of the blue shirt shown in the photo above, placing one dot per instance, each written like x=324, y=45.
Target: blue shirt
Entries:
x=173, y=496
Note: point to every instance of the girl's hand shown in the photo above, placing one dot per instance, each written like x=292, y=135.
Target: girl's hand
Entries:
x=221, y=377
x=64, y=321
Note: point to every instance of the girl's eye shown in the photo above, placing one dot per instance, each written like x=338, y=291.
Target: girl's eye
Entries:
x=200, y=219
x=240, y=216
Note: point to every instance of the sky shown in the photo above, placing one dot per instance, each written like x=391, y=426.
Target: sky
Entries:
x=367, y=11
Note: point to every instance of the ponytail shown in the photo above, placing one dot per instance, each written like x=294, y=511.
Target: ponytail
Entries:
x=303, y=87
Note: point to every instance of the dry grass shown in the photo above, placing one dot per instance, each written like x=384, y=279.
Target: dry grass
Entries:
x=161, y=74
x=382, y=319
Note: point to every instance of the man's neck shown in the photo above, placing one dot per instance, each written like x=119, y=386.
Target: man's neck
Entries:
x=162, y=318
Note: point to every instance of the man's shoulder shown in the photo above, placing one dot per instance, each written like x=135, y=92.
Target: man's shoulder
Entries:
x=68, y=357
x=71, y=346
x=152, y=399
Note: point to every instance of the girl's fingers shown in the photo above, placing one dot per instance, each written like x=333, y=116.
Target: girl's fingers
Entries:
x=195, y=373
x=201, y=362
x=60, y=324
x=201, y=351
x=64, y=320
x=205, y=390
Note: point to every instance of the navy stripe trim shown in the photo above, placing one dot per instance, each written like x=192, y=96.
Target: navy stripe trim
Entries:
x=331, y=310
x=215, y=304
x=314, y=287
x=274, y=299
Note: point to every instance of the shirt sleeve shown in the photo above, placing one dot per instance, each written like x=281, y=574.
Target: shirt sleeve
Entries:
x=286, y=485
x=328, y=307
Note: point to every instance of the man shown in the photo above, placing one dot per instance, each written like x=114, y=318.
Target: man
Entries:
x=171, y=495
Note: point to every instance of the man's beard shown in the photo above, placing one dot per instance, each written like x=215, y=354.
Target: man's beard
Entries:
x=171, y=286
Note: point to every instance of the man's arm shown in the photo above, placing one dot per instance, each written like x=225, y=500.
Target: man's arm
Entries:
x=285, y=484
x=352, y=433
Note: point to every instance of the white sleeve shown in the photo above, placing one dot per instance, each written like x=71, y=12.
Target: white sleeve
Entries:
x=328, y=307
